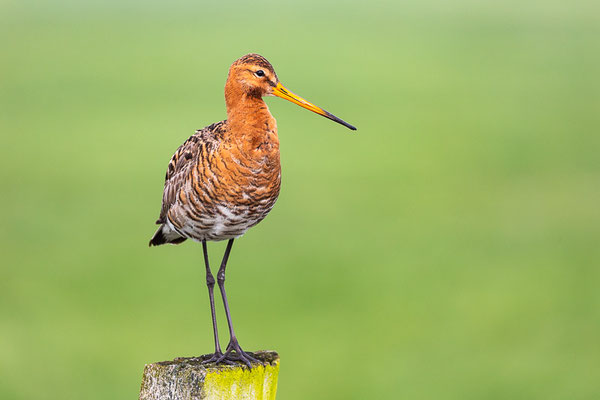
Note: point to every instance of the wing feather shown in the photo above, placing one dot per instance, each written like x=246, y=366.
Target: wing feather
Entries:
x=185, y=159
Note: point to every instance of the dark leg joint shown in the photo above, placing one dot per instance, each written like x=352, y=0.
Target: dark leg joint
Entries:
x=221, y=277
x=210, y=280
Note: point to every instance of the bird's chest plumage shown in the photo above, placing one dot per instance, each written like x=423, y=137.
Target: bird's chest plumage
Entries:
x=231, y=189
x=254, y=177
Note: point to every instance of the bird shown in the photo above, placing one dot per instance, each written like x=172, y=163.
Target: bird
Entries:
x=225, y=178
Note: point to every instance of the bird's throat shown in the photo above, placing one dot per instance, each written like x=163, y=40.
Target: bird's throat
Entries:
x=250, y=116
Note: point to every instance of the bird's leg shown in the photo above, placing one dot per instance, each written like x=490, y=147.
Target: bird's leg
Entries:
x=210, y=282
x=233, y=342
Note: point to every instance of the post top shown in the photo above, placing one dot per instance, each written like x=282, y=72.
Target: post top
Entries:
x=267, y=357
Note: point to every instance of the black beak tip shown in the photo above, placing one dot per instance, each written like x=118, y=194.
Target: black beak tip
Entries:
x=347, y=125
x=339, y=120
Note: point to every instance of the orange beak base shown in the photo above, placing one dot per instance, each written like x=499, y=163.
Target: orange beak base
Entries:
x=280, y=91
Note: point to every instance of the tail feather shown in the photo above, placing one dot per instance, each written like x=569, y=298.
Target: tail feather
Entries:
x=165, y=235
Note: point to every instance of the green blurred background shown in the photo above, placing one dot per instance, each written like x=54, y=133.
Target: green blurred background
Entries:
x=449, y=249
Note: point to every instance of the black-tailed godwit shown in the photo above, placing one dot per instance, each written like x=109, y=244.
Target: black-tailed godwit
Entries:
x=225, y=178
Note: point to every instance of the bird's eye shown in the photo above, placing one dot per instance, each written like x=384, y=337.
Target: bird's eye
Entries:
x=260, y=73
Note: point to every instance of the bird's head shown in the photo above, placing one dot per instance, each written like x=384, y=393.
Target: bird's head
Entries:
x=255, y=77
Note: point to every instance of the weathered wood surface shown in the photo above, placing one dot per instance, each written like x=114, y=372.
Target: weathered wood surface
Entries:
x=188, y=379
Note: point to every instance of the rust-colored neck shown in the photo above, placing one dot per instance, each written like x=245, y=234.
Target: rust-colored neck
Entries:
x=245, y=112
x=249, y=122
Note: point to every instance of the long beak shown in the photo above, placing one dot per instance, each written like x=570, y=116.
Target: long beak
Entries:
x=282, y=92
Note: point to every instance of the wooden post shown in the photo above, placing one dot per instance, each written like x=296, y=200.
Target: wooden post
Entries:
x=188, y=379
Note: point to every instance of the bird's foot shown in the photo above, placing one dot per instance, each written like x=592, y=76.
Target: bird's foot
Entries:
x=235, y=353
x=216, y=358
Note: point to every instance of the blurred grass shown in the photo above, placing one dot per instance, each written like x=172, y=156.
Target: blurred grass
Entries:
x=448, y=249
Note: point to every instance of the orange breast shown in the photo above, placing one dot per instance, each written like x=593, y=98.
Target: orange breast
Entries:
x=231, y=187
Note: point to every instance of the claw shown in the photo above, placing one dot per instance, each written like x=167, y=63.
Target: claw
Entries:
x=216, y=358
x=235, y=353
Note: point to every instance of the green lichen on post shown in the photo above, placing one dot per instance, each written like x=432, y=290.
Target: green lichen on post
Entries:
x=259, y=382
x=188, y=379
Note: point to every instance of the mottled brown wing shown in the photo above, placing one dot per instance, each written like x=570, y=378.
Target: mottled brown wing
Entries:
x=184, y=160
